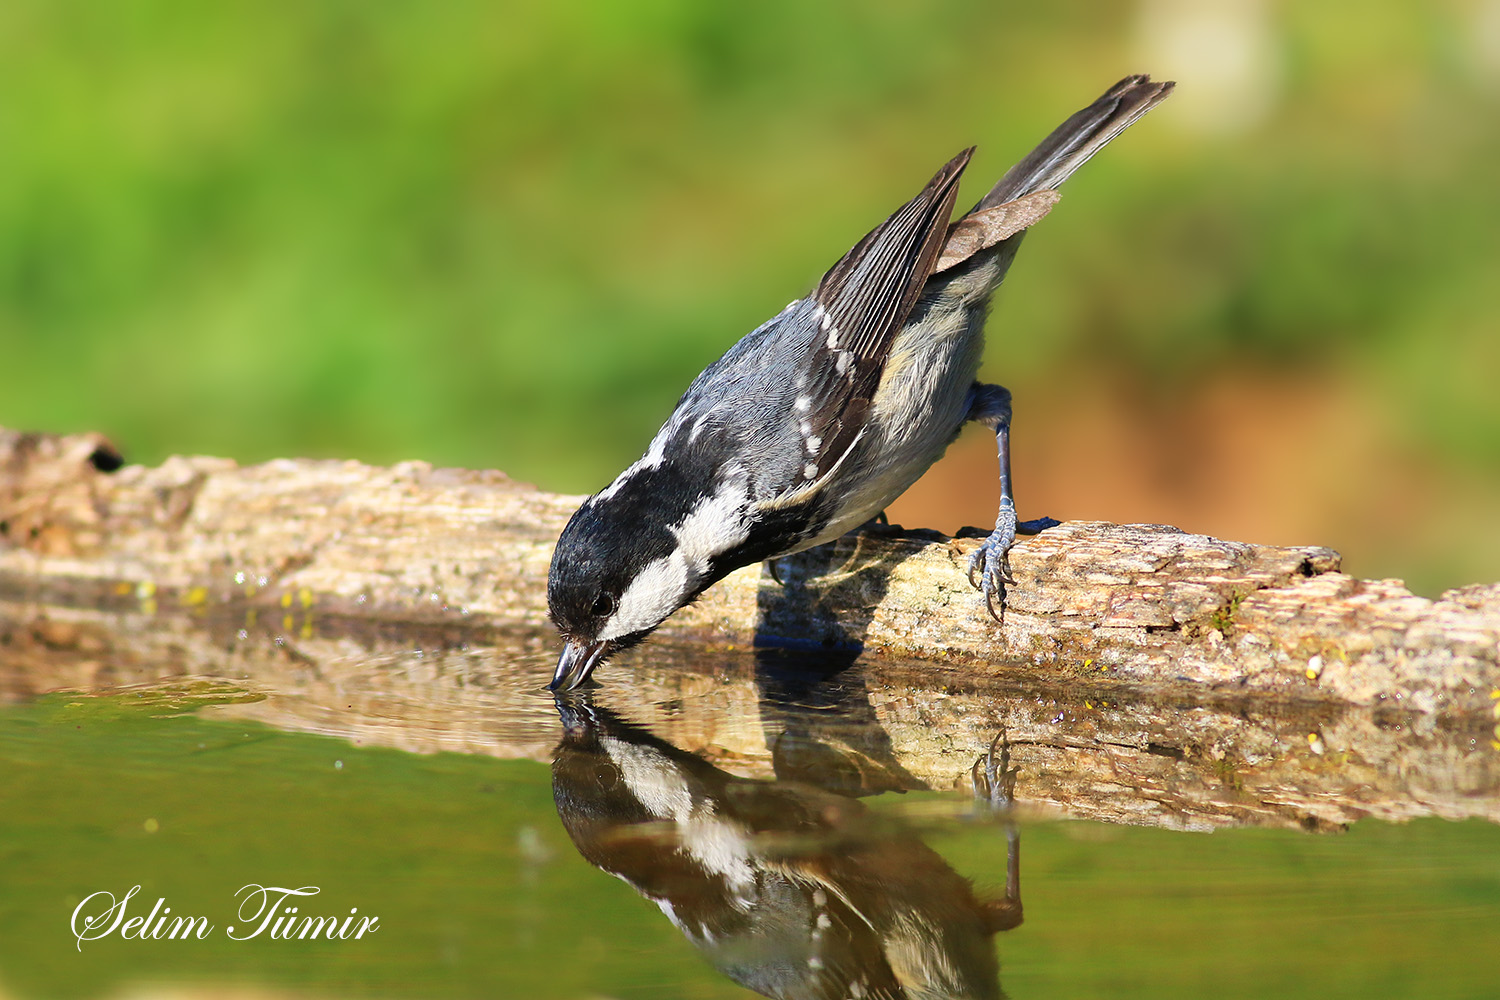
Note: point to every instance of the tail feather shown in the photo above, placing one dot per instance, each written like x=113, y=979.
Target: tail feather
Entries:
x=1073, y=142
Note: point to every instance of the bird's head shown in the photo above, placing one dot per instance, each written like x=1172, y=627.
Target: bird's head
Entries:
x=617, y=573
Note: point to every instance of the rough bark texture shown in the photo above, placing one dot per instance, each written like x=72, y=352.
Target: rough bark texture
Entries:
x=1142, y=605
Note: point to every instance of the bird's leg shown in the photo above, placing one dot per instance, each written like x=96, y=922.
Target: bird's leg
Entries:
x=995, y=786
x=994, y=778
x=989, y=566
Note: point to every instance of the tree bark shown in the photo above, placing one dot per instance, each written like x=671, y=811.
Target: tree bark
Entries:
x=1147, y=606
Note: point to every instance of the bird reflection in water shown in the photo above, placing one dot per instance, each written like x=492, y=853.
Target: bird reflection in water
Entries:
x=790, y=889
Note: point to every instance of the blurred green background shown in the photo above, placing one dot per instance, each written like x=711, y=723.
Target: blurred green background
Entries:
x=506, y=236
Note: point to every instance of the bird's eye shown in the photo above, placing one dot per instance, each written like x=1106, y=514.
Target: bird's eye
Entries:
x=604, y=605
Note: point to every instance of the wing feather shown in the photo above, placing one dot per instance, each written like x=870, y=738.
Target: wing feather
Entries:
x=858, y=308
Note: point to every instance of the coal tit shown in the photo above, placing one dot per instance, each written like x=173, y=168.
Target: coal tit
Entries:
x=814, y=422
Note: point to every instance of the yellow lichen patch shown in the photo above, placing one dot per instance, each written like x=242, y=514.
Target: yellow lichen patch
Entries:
x=306, y=597
x=194, y=597
x=286, y=599
x=123, y=588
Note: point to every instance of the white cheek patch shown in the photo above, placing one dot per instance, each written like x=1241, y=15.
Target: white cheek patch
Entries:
x=655, y=593
x=716, y=525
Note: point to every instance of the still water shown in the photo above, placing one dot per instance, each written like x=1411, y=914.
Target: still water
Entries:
x=708, y=825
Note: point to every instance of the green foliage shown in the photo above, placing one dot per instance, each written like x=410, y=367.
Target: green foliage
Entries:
x=506, y=235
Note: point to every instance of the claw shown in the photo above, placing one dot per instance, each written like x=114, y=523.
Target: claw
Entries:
x=989, y=602
x=995, y=780
x=990, y=563
x=771, y=565
x=989, y=566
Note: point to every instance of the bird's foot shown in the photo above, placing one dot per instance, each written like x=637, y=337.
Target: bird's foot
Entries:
x=989, y=566
x=994, y=778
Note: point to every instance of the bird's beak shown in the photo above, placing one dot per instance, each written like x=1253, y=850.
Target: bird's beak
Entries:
x=577, y=661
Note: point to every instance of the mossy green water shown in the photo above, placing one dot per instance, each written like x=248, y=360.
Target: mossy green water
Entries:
x=480, y=893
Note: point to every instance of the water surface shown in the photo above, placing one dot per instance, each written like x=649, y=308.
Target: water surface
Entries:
x=804, y=825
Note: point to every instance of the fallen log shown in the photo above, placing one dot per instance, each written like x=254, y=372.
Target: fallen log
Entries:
x=1148, y=606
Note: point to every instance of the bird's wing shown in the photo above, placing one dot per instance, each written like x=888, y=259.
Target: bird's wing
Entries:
x=858, y=307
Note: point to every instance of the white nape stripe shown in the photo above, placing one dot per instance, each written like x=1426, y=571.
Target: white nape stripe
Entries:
x=655, y=455
x=719, y=845
x=717, y=524
x=703, y=422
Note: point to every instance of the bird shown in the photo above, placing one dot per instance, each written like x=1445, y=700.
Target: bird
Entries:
x=792, y=888
x=815, y=421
